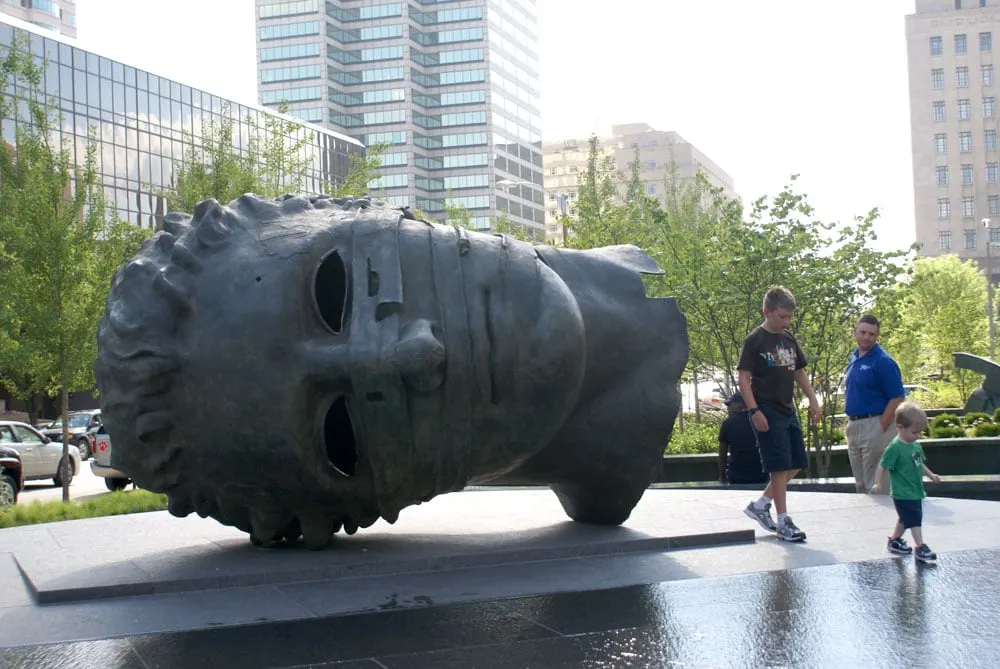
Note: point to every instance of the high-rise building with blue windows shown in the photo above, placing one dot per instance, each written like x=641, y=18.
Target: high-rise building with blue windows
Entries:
x=452, y=86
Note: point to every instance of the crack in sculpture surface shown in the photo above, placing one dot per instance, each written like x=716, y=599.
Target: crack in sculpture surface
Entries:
x=295, y=366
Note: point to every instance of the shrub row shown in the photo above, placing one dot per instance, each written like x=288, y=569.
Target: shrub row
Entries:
x=973, y=424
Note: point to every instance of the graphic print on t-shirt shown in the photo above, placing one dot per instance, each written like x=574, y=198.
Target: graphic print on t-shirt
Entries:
x=780, y=357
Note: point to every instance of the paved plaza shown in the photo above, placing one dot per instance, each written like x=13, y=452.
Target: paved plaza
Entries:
x=501, y=579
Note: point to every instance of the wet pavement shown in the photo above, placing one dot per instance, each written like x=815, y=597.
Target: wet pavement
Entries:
x=877, y=613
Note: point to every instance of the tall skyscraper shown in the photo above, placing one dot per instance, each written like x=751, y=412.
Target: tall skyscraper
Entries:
x=451, y=85
x=954, y=125
x=55, y=15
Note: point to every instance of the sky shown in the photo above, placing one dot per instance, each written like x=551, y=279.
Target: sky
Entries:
x=765, y=88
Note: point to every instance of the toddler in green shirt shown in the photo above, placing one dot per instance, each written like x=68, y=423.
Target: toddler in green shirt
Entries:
x=904, y=460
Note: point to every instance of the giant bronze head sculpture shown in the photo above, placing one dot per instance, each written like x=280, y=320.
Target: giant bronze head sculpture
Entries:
x=292, y=367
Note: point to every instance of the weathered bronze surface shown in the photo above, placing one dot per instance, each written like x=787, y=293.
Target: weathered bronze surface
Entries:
x=986, y=398
x=296, y=366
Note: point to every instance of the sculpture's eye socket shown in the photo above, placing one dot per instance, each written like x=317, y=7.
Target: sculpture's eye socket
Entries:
x=331, y=293
x=338, y=435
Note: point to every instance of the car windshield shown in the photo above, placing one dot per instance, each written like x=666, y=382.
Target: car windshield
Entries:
x=75, y=420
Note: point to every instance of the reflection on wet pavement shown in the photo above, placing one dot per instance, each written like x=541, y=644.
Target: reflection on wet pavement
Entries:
x=883, y=613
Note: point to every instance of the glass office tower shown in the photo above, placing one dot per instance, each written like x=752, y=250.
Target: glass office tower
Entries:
x=146, y=123
x=451, y=85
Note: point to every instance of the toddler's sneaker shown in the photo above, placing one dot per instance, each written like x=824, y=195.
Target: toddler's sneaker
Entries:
x=924, y=553
x=787, y=531
x=762, y=516
x=899, y=546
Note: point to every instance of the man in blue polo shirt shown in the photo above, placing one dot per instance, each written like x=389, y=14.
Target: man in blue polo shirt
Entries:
x=873, y=388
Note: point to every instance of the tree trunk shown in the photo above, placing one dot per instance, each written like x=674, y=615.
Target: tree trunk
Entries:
x=64, y=411
x=697, y=408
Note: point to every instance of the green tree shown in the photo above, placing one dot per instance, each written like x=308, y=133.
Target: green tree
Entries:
x=274, y=162
x=718, y=264
x=944, y=303
x=611, y=208
x=58, y=249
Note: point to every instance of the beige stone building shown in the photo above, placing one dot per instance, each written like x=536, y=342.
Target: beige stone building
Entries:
x=955, y=127
x=56, y=15
x=660, y=151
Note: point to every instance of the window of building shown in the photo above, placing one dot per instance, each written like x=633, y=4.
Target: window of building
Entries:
x=389, y=181
x=993, y=204
x=994, y=236
x=944, y=240
x=944, y=207
x=964, y=110
x=937, y=108
x=651, y=164
x=970, y=238
x=986, y=74
x=937, y=46
x=942, y=175
x=992, y=172
x=937, y=79
x=968, y=206
x=650, y=189
x=961, y=44
x=991, y=140
x=965, y=141
x=285, y=30
x=961, y=77
x=966, y=174
x=940, y=143
x=989, y=107
x=986, y=42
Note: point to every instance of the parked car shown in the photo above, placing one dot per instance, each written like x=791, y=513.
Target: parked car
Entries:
x=101, y=464
x=11, y=476
x=82, y=428
x=41, y=457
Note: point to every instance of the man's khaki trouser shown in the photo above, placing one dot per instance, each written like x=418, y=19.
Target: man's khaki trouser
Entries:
x=866, y=441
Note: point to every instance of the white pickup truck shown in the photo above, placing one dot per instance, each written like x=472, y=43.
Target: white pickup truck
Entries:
x=101, y=464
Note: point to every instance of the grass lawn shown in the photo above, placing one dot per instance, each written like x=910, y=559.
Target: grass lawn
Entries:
x=113, y=504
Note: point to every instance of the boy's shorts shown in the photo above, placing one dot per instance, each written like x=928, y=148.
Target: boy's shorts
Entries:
x=910, y=512
x=782, y=448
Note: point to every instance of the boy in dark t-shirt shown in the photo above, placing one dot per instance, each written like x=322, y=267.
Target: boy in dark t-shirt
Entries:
x=770, y=365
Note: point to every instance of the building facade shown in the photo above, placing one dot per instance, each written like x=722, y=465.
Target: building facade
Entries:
x=663, y=154
x=954, y=123
x=145, y=124
x=59, y=16
x=452, y=86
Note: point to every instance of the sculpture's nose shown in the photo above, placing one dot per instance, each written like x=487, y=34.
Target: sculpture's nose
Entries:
x=420, y=356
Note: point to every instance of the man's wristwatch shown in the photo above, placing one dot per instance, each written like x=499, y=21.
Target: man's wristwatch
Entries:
x=754, y=410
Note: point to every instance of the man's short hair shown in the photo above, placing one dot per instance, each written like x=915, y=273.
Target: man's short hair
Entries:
x=778, y=297
x=868, y=319
x=909, y=414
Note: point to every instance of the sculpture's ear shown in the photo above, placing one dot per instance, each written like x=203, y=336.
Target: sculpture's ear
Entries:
x=629, y=256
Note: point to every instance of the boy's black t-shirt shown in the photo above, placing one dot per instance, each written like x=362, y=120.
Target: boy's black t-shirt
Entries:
x=772, y=360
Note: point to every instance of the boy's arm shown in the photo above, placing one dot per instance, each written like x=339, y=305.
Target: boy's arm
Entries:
x=757, y=417
x=802, y=379
x=879, y=479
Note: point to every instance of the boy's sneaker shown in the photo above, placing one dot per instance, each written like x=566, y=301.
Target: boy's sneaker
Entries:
x=787, y=531
x=762, y=516
x=899, y=546
x=924, y=553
